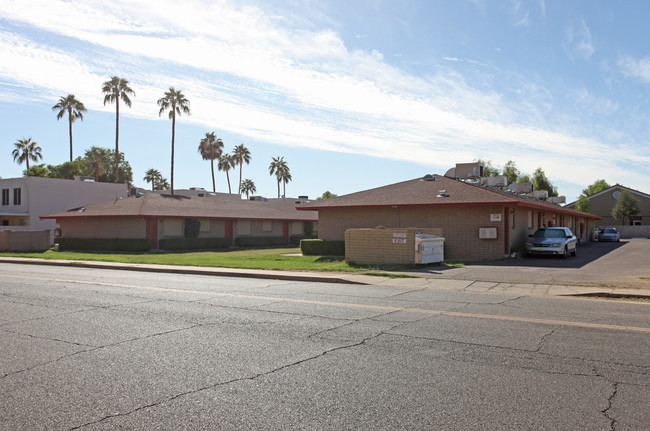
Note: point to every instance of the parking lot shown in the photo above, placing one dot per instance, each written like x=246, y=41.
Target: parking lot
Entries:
x=626, y=263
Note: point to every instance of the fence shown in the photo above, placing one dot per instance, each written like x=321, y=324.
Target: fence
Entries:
x=24, y=240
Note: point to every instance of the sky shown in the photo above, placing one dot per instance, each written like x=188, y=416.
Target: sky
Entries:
x=353, y=94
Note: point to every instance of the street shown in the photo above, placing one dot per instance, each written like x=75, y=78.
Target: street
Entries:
x=94, y=349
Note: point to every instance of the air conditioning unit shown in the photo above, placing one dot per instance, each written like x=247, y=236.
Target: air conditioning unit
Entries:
x=523, y=187
x=540, y=194
x=469, y=170
x=557, y=199
x=498, y=181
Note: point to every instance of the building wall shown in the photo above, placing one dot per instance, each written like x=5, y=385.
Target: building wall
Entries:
x=34, y=240
x=102, y=227
x=41, y=196
x=603, y=204
x=461, y=226
x=383, y=246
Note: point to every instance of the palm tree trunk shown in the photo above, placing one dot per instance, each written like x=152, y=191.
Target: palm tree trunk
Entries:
x=117, y=134
x=70, y=127
x=278, y=187
x=228, y=178
x=173, y=132
x=284, y=189
x=239, y=188
x=214, y=188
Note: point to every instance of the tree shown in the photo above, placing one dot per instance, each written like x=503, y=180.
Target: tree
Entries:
x=37, y=171
x=211, y=148
x=74, y=108
x=114, y=90
x=226, y=162
x=248, y=187
x=175, y=102
x=488, y=169
x=597, y=186
x=285, y=177
x=26, y=150
x=98, y=160
x=583, y=204
x=541, y=182
x=158, y=182
x=326, y=195
x=626, y=206
x=69, y=170
x=524, y=178
x=511, y=172
x=277, y=166
x=242, y=155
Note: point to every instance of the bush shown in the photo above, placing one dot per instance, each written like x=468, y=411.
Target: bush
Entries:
x=318, y=247
x=193, y=243
x=192, y=228
x=105, y=244
x=257, y=241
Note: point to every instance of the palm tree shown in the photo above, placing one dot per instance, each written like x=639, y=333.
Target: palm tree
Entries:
x=151, y=176
x=26, y=150
x=96, y=158
x=277, y=166
x=242, y=155
x=74, y=108
x=176, y=103
x=285, y=177
x=227, y=162
x=247, y=186
x=114, y=90
x=211, y=148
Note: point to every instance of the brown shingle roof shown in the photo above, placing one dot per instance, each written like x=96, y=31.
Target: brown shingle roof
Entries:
x=155, y=205
x=418, y=192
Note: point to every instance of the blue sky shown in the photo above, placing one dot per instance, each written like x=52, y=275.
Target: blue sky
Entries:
x=353, y=94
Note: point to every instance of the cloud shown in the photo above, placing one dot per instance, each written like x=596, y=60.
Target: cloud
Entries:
x=257, y=75
x=635, y=68
x=580, y=40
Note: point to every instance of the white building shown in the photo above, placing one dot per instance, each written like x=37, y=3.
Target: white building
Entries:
x=25, y=199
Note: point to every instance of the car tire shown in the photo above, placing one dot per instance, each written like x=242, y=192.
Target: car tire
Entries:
x=574, y=253
x=566, y=253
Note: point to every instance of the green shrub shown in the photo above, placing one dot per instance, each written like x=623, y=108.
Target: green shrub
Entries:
x=260, y=241
x=105, y=244
x=318, y=247
x=193, y=243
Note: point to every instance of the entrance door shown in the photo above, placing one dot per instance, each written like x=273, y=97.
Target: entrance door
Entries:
x=152, y=231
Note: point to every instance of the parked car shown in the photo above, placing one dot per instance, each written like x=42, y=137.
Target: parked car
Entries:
x=609, y=234
x=552, y=240
x=597, y=231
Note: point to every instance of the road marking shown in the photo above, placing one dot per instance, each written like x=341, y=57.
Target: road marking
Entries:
x=346, y=304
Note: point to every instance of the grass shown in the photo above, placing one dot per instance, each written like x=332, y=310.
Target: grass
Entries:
x=283, y=259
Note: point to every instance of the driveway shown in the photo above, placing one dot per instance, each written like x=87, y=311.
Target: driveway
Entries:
x=623, y=264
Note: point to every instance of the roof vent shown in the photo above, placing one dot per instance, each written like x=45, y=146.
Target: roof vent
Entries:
x=428, y=177
x=443, y=194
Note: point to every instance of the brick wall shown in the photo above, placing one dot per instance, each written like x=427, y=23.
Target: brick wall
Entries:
x=383, y=246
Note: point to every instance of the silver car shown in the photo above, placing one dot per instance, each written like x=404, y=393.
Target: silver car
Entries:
x=552, y=240
x=609, y=234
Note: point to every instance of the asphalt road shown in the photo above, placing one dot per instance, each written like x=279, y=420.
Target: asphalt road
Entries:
x=100, y=350
x=625, y=264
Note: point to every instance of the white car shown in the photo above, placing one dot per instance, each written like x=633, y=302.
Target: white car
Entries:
x=552, y=240
x=609, y=234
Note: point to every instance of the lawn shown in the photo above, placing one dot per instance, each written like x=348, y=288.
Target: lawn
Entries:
x=288, y=259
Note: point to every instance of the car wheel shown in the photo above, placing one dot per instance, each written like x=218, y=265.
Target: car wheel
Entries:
x=575, y=251
x=566, y=253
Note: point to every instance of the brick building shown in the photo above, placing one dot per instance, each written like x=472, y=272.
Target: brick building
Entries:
x=478, y=223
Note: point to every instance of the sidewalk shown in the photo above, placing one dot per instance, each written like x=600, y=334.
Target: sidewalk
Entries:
x=421, y=282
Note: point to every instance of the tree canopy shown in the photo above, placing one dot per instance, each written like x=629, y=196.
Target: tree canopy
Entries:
x=597, y=186
x=626, y=206
x=326, y=195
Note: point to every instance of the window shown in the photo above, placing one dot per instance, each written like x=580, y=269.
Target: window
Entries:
x=205, y=225
x=5, y=196
x=297, y=228
x=173, y=227
x=17, y=196
x=267, y=225
x=243, y=227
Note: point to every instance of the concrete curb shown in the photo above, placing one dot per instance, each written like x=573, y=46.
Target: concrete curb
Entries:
x=358, y=279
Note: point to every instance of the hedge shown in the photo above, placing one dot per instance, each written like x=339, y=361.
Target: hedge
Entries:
x=105, y=244
x=193, y=243
x=318, y=247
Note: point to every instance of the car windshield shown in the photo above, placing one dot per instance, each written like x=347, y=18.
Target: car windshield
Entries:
x=549, y=233
x=609, y=230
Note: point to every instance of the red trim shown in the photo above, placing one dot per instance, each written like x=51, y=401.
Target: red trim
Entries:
x=506, y=230
x=152, y=231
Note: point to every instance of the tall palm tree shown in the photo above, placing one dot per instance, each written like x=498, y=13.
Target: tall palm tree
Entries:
x=96, y=158
x=26, y=150
x=247, y=186
x=285, y=177
x=242, y=155
x=151, y=176
x=227, y=162
x=115, y=90
x=211, y=148
x=74, y=108
x=176, y=103
x=277, y=166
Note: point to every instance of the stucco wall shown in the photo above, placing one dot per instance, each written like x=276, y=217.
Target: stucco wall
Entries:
x=24, y=240
x=101, y=227
x=602, y=206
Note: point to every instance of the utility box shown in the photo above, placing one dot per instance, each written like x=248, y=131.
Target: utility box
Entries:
x=429, y=248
